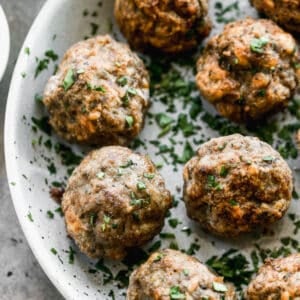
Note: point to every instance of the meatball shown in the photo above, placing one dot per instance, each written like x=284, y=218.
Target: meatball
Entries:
x=114, y=200
x=277, y=279
x=170, y=26
x=100, y=93
x=249, y=70
x=170, y=274
x=284, y=12
x=236, y=184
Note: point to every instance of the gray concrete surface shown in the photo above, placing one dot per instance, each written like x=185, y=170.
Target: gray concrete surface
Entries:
x=21, y=277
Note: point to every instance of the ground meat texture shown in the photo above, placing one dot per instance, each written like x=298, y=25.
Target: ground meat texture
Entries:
x=236, y=184
x=170, y=26
x=99, y=94
x=277, y=279
x=115, y=200
x=284, y=12
x=251, y=69
x=170, y=275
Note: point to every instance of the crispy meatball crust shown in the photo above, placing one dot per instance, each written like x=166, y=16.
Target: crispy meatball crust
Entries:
x=108, y=99
x=115, y=200
x=249, y=70
x=277, y=279
x=170, y=26
x=236, y=184
x=284, y=12
x=171, y=271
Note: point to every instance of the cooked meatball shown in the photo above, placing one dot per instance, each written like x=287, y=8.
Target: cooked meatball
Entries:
x=115, y=200
x=99, y=94
x=249, y=70
x=170, y=26
x=284, y=12
x=236, y=184
x=170, y=274
x=277, y=279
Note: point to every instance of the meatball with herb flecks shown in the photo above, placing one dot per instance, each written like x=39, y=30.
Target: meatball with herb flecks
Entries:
x=284, y=12
x=249, y=70
x=277, y=279
x=236, y=184
x=115, y=200
x=100, y=93
x=170, y=275
x=171, y=26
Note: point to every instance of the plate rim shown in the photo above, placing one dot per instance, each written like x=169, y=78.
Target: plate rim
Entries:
x=15, y=191
x=4, y=40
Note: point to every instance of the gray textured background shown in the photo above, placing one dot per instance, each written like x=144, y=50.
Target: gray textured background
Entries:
x=21, y=277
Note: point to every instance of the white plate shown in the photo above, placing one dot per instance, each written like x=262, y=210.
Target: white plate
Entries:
x=60, y=24
x=4, y=42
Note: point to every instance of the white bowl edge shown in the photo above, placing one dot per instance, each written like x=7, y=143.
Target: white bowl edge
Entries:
x=4, y=42
x=10, y=161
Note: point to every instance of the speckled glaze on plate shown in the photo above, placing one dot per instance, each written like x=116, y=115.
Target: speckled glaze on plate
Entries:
x=4, y=42
x=60, y=24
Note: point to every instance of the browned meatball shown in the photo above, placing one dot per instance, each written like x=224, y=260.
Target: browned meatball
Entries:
x=168, y=25
x=100, y=93
x=249, y=70
x=170, y=275
x=277, y=279
x=284, y=12
x=236, y=184
x=115, y=200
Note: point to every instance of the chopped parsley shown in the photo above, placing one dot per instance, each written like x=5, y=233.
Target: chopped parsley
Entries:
x=27, y=50
x=212, y=183
x=155, y=246
x=94, y=28
x=129, y=121
x=268, y=159
x=69, y=79
x=192, y=249
x=51, y=54
x=257, y=45
x=261, y=93
x=228, y=13
x=232, y=202
x=138, y=202
x=158, y=257
x=141, y=185
x=164, y=122
x=224, y=171
x=185, y=125
x=106, y=221
x=71, y=255
x=173, y=222
x=100, y=175
x=187, y=154
x=233, y=266
x=97, y=88
x=128, y=164
x=167, y=235
x=50, y=214
x=219, y=287
x=149, y=175
x=122, y=81
x=54, y=251
x=131, y=91
x=107, y=274
x=42, y=124
x=29, y=216
x=41, y=66
x=175, y=293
